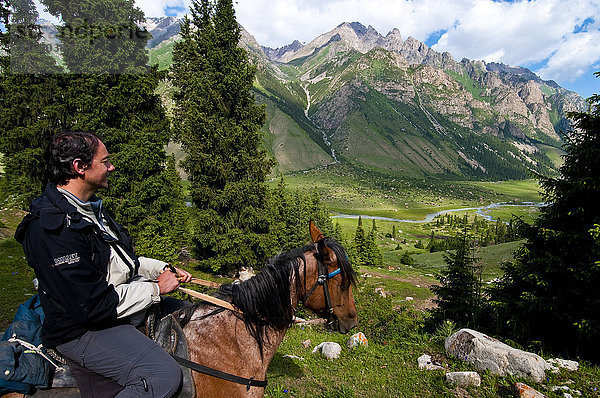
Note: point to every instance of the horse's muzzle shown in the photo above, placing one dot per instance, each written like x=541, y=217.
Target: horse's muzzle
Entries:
x=346, y=324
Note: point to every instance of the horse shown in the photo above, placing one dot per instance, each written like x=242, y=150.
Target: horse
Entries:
x=244, y=344
x=237, y=346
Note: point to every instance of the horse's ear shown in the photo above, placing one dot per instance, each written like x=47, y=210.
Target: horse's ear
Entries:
x=315, y=234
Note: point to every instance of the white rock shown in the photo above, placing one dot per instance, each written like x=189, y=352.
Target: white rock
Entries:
x=357, y=339
x=245, y=273
x=424, y=362
x=565, y=363
x=566, y=391
x=329, y=349
x=464, y=379
x=486, y=353
x=293, y=357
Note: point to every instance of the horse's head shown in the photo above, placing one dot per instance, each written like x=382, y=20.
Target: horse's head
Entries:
x=334, y=273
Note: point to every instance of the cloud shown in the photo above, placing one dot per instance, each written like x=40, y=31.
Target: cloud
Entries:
x=158, y=8
x=520, y=33
x=576, y=56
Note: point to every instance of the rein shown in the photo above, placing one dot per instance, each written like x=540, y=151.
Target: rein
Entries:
x=219, y=374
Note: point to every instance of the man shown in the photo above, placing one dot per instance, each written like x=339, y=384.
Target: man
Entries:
x=92, y=287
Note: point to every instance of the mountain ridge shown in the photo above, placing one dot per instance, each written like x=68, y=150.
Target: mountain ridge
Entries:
x=398, y=106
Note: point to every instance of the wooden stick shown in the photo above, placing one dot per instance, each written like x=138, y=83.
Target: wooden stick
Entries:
x=210, y=299
x=205, y=283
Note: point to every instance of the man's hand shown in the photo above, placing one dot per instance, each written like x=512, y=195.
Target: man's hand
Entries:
x=183, y=276
x=167, y=282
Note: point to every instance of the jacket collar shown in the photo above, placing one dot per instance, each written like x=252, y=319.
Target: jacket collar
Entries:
x=55, y=210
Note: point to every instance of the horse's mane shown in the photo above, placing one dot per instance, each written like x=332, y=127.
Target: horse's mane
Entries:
x=265, y=298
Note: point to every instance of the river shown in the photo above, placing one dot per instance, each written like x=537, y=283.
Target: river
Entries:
x=430, y=217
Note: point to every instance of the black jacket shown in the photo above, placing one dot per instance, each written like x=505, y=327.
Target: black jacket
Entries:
x=70, y=257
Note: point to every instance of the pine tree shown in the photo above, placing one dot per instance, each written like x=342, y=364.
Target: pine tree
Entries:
x=28, y=115
x=218, y=124
x=337, y=232
x=101, y=37
x=458, y=295
x=28, y=55
x=359, y=244
x=549, y=294
x=291, y=213
x=372, y=256
x=364, y=248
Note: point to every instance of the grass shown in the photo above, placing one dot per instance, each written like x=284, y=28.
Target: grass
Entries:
x=16, y=278
x=555, y=154
x=161, y=55
x=517, y=191
x=387, y=367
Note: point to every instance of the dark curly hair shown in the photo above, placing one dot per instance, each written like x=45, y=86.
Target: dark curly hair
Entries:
x=64, y=149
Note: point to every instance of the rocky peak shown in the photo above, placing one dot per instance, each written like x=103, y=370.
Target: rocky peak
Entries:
x=161, y=29
x=358, y=28
x=353, y=35
x=394, y=35
x=414, y=51
x=277, y=53
x=250, y=43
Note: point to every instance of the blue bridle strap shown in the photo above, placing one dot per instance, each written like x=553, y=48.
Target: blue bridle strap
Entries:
x=334, y=273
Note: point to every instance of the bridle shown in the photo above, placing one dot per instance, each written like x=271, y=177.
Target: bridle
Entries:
x=322, y=280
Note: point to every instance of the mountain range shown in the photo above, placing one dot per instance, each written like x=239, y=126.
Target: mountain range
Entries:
x=398, y=107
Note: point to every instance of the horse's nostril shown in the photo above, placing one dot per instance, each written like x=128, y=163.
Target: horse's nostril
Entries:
x=345, y=325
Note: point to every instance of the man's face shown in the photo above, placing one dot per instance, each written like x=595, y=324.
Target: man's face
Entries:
x=96, y=175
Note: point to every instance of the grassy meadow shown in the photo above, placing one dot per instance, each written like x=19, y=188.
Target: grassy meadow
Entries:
x=355, y=191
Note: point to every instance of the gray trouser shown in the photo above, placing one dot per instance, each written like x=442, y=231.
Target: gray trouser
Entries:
x=125, y=355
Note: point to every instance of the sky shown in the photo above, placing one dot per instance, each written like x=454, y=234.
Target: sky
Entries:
x=557, y=39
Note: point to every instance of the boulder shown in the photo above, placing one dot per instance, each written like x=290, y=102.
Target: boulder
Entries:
x=463, y=379
x=329, y=349
x=357, y=339
x=486, y=353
